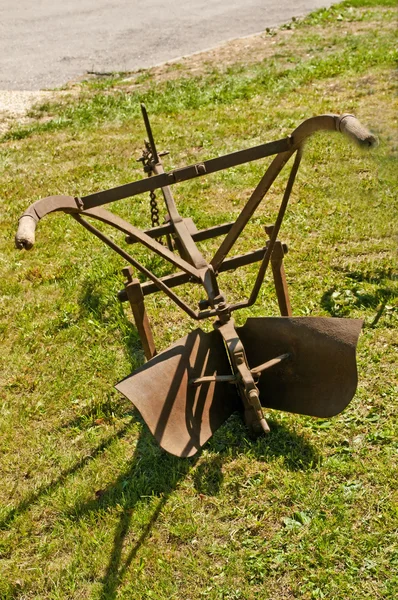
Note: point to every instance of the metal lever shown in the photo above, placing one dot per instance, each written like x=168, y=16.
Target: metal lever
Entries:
x=233, y=379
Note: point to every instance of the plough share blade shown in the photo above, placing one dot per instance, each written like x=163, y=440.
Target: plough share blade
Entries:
x=318, y=378
x=181, y=415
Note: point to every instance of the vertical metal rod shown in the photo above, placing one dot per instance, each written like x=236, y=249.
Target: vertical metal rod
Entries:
x=191, y=251
x=149, y=133
x=280, y=282
x=275, y=231
x=136, y=299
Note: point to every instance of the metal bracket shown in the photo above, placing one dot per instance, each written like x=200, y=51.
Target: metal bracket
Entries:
x=254, y=417
x=136, y=299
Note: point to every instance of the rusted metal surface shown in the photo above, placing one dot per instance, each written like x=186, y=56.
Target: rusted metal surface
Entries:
x=320, y=376
x=278, y=272
x=303, y=365
x=248, y=390
x=136, y=298
x=183, y=416
x=229, y=264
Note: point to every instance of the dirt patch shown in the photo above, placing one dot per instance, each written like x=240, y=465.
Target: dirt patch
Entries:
x=246, y=51
x=15, y=104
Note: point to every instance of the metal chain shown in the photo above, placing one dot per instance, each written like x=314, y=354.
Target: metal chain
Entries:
x=154, y=210
x=146, y=159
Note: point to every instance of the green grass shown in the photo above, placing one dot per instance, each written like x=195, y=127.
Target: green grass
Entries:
x=90, y=507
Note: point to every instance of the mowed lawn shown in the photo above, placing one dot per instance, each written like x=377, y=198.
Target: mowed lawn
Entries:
x=90, y=507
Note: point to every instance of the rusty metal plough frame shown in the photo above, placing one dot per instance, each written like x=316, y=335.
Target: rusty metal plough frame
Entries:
x=209, y=383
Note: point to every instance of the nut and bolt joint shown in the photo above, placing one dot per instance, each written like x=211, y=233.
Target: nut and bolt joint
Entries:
x=223, y=311
x=253, y=395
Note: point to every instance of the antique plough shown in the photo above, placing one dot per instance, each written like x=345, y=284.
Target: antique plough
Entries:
x=302, y=365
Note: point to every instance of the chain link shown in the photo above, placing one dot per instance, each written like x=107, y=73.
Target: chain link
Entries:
x=154, y=210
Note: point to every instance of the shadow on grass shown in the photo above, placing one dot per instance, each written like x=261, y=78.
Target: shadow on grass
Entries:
x=153, y=475
x=233, y=439
x=61, y=479
x=339, y=301
x=97, y=302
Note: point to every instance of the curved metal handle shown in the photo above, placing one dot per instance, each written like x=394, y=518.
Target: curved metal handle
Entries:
x=345, y=123
x=350, y=126
x=25, y=236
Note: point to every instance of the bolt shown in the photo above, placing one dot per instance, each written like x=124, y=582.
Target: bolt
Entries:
x=200, y=169
x=269, y=229
x=252, y=396
x=127, y=272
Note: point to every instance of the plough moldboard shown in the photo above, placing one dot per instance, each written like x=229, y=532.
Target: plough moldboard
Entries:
x=302, y=365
